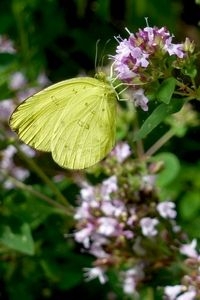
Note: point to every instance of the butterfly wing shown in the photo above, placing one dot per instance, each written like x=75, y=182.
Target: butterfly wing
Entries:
x=74, y=119
x=33, y=119
x=85, y=133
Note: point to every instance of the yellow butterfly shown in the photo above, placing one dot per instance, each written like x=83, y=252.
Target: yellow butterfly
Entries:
x=73, y=119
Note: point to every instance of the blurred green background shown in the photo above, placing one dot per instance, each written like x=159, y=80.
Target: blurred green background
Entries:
x=59, y=37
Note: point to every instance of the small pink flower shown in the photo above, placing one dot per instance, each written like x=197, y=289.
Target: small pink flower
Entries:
x=83, y=235
x=174, y=49
x=129, y=285
x=42, y=79
x=121, y=151
x=173, y=291
x=6, y=108
x=190, y=249
x=20, y=173
x=17, y=81
x=189, y=295
x=87, y=193
x=83, y=211
x=27, y=150
x=96, y=272
x=166, y=209
x=114, y=208
x=107, y=226
x=131, y=278
x=140, y=56
x=140, y=99
x=180, y=292
x=7, y=157
x=148, y=226
x=109, y=186
x=98, y=251
x=6, y=45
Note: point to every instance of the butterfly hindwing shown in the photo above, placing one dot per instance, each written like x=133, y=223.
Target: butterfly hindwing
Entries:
x=88, y=134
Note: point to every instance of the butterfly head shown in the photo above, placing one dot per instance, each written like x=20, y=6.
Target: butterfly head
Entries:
x=101, y=76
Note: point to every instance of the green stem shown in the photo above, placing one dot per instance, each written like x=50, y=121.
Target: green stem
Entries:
x=140, y=149
x=188, y=98
x=34, y=167
x=18, y=8
x=160, y=142
x=139, y=143
x=189, y=90
x=28, y=188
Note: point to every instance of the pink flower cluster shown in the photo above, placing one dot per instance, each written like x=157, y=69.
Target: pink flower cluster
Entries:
x=115, y=227
x=135, y=54
x=116, y=232
x=188, y=289
x=148, y=56
x=6, y=45
x=102, y=217
x=8, y=166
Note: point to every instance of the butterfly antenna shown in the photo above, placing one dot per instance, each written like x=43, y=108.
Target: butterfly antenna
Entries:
x=147, y=21
x=99, y=62
x=103, y=52
x=111, y=70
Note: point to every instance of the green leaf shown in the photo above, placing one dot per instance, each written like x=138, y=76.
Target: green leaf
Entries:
x=171, y=168
x=67, y=276
x=103, y=9
x=166, y=90
x=28, y=207
x=157, y=116
x=190, y=205
x=190, y=71
x=20, y=239
x=81, y=7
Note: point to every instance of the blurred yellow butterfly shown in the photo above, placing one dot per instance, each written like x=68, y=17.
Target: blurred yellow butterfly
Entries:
x=73, y=119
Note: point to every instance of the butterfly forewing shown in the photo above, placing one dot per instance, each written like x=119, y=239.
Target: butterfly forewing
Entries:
x=34, y=118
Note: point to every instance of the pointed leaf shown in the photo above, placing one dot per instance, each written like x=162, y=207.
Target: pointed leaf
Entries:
x=171, y=167
x=21, y=240
x=157, y=116
x=166, y=90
